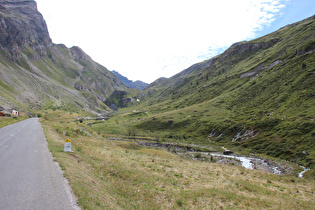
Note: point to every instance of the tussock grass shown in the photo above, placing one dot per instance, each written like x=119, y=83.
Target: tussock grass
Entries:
x=122, y=175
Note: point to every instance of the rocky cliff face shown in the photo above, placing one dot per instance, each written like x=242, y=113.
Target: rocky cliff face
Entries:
x=21, y=26
x=36, y=73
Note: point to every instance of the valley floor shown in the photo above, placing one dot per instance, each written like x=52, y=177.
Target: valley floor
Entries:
x=108, y=174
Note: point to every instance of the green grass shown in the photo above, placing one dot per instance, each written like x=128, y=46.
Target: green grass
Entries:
x=272, y=113
x=120, y=174
x=276, y=105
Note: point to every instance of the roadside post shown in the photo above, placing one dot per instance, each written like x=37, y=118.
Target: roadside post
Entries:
x=67, y=147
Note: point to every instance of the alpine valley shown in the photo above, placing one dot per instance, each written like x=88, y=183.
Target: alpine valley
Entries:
x=256, y=98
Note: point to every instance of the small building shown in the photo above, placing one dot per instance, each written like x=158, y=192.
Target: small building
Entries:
x=8, y=112
x=14, y=113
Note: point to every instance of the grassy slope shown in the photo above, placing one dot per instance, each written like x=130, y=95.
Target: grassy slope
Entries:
x=276, y=104
x=122, y=175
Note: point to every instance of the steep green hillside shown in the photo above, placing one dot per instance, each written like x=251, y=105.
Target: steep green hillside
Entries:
x=258, y=96
x=121, y=99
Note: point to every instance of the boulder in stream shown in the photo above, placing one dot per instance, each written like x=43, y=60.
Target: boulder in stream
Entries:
x=227, y=152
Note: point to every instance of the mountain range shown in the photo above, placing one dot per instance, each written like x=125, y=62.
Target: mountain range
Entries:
x=129, y=83
x=258, y=95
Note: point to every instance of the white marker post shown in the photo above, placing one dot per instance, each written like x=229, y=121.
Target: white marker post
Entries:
x=67, y=147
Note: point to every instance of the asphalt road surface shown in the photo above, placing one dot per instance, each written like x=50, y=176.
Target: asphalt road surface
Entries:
x=29, y=178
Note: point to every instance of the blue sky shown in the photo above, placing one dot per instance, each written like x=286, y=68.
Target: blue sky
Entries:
x=294, y=11
x=148, y=39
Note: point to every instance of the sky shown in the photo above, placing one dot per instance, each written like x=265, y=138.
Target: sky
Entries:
x=148, y=39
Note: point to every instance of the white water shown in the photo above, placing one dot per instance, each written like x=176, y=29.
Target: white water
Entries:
x=247, y=162
x=255, y=163
x=304, y=170
x=244, y=160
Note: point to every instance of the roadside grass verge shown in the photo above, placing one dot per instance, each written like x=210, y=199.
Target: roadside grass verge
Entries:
x=4, y=121
x=122, y=175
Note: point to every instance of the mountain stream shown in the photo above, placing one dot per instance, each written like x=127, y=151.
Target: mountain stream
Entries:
x=248, y=162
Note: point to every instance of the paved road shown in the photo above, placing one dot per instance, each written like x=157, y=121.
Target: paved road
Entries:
x=29, y=179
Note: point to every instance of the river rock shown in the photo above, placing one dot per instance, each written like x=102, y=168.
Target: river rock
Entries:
x=227, y=152
x=305, y=153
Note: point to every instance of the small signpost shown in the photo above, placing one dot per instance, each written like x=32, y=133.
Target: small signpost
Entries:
x=67, y=147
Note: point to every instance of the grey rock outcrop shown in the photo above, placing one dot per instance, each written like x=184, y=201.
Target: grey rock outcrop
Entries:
x=21, y=26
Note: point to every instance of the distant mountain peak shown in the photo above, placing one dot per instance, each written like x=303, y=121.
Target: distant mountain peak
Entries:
x=129, y=83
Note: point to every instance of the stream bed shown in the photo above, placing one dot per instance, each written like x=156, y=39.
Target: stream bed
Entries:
x=248, y=162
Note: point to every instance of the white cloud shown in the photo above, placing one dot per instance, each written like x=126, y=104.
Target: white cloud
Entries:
x=149, y=39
